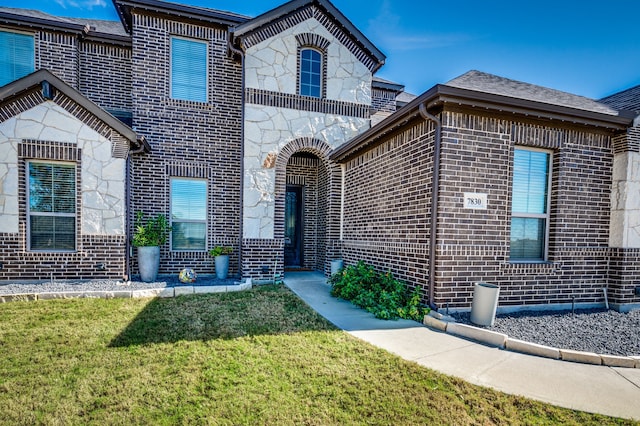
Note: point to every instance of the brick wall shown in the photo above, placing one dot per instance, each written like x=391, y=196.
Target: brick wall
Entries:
x=105, y=75
x=188, y=139
x=96, y=256
x=387, y=205
x=58, y=53
x=303, y=171
x=387, y=210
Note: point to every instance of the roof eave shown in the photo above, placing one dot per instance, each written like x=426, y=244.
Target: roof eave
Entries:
x=77, y=29
x=294, y=5
x=123, y=7
x=32, y=80
x=441, y=96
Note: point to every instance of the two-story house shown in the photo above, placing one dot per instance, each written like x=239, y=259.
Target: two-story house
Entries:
x=234, y=121
x=273, y=135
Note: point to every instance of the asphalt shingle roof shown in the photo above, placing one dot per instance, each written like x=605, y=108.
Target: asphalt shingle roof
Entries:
x=489, y=83
x=626, y=100
x=97, y=25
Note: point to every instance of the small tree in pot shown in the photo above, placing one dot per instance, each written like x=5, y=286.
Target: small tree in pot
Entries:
x=221, y=255
x=148, y=236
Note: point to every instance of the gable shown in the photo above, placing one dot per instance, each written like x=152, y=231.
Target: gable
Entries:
x=42, y=86
x=291, y=14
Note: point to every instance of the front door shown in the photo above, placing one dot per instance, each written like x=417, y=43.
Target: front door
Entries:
x=293, y=227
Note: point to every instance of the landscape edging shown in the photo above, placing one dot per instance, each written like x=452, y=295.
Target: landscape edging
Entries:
x=494, y=339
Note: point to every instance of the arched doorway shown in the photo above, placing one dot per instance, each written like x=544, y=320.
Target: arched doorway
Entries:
x=306, y=213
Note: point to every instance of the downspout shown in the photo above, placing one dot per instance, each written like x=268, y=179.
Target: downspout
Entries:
x=127, y=197
x=240, y=53
x=127, y=217
x=435, y=195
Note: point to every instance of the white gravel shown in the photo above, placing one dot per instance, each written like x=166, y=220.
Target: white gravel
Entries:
x=599, y=331
x=49, y=286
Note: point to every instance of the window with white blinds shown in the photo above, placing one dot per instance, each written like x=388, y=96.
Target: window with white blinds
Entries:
x=188, y=214
x=530, y=205
x=17, y=57
x=188, y=69
x=52, y=206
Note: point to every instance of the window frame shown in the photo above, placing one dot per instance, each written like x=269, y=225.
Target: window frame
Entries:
x=29, y=213
x=203, y=221
x=33, y=51
x=322, y=71
x=171, y=68
x=545, y=216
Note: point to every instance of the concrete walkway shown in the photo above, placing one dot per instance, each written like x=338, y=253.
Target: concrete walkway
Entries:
x=592, y=388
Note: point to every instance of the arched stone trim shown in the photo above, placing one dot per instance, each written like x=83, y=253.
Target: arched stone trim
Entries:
x=312, y=40
x=322, y=150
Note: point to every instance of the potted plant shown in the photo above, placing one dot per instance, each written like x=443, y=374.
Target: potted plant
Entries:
x=221, y=255
x=148, y=236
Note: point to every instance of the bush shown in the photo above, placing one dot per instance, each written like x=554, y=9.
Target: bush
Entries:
x=378, y=293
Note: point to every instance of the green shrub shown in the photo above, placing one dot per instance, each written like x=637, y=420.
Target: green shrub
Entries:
x=378, y=293
x=152, y=231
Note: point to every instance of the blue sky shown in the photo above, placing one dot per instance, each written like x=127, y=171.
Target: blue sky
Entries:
x=590, y=48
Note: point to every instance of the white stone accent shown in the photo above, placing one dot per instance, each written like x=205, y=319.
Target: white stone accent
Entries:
x=624, y=228
x=273, y=65
x=268, y=130
x=102, y=177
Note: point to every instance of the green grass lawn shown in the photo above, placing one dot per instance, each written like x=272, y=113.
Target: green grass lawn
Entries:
x=256, y=357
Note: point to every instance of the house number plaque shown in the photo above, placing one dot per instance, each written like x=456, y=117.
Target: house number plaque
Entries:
x=475, y=201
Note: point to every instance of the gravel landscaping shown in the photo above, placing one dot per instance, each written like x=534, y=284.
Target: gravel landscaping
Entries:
x=49, y=286
x=599, y=331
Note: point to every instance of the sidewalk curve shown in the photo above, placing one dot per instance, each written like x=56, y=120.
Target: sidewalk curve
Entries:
x=593, y=388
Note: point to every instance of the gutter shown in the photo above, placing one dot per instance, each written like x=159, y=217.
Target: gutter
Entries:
x=235, y=51
x=435, y=195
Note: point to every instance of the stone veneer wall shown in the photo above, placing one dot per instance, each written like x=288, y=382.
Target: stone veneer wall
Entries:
x=387, y=211
x=624, y=235
x=279, y=123
x=188, y=139
x=44, y=130
x=278, y=115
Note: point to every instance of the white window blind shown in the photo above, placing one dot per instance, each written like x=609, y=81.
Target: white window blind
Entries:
x=16, y=56
x=188, y=214
x=52, y=207
x=188, y=70
x=530, y=205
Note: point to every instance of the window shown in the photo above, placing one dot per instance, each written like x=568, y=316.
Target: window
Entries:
x=52, y=206
x=530, y=205
x=310, y=73
x=188, y=70
x=16, y=56
x=188, y=214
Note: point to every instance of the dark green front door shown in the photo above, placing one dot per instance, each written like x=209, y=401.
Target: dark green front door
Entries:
x=293, y=227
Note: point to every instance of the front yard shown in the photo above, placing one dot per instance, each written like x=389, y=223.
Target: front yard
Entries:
x=256, y=357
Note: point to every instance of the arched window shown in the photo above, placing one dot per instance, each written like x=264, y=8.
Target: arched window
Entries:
x=310, y=73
